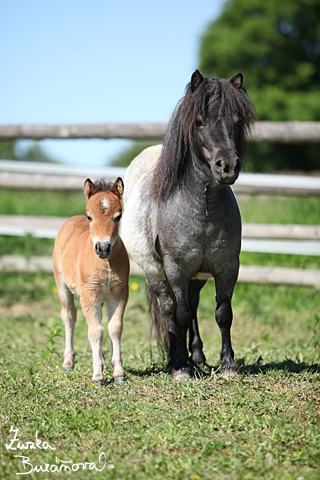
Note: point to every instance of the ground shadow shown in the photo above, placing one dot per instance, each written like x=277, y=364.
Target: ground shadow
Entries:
x=256, y=368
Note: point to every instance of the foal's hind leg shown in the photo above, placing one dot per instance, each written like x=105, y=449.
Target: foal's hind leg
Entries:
x=195, y=343
x=69, y=318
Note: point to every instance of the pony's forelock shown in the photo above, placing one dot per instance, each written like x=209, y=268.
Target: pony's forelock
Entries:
x=172, y=168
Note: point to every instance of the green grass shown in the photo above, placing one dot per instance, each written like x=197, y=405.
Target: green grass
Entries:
x=262, y=424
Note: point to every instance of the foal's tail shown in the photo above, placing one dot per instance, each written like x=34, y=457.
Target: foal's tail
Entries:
x=158, y=322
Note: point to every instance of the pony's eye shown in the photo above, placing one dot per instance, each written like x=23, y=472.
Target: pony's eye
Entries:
x=89, y=218
x=199, y=122
x=118, y=218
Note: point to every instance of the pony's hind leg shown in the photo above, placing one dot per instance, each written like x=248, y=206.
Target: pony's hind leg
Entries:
x=195, y=343
x=178, y=284
x=161, y=311
x=116, y=307
x=69, y=318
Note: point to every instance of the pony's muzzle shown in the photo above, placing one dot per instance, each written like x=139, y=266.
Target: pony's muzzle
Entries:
x=226, y=171
x=103, y=249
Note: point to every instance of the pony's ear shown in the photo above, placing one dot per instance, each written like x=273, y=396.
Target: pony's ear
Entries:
x=117, y=187
x=237, y=80
x=88, y=188
x=196, y=80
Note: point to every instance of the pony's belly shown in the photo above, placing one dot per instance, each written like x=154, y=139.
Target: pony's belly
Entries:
x=202, y=276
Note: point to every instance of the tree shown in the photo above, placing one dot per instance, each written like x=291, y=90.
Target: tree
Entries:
x=7, y=150
x=33, y=153
x=276, y=44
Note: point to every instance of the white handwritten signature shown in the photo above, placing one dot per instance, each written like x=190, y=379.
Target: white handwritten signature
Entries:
x=58, y=467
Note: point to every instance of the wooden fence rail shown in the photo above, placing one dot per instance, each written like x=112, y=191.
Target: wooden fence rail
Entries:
x=278, y=132
x=247, y=274
x=48, y=176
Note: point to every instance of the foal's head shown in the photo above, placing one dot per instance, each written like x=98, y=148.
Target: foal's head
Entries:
x=104, y=212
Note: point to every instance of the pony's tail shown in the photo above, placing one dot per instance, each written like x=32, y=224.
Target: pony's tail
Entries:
x=157, y=322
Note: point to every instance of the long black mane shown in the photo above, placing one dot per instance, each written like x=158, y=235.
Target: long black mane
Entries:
x=171, y=171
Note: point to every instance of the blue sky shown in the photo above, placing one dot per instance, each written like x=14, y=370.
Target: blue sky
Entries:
x=91, y=61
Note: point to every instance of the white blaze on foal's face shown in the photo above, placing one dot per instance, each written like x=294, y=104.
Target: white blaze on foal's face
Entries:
x=105, y=203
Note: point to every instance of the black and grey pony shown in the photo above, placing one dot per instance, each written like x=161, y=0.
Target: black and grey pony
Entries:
x=182, y=223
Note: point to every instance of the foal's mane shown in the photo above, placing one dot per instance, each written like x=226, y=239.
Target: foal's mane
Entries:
x=173, y=165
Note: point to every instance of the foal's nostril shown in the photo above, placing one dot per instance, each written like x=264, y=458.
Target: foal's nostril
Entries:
x=97, y=248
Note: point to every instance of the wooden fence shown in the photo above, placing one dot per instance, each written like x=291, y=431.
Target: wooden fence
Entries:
x=260, y=238
x=278, y=132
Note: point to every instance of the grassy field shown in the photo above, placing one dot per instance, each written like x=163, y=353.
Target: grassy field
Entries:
x=262, y=424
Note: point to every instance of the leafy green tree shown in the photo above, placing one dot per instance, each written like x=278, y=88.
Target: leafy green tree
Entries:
x=276, y=44
x=7, y=151
x=33, y=153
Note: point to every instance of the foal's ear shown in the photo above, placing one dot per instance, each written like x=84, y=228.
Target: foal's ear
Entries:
x=237, y=80
x=117, y=187
x=196, y=80
x=88, y=188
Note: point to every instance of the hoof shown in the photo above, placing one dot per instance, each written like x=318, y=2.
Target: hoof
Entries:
x=181, y=375
x=170, y=366
x=98, y=383
x=67, y=369
x=119, y=379
x=198, y=360
x=228, y=371
x=198, y=364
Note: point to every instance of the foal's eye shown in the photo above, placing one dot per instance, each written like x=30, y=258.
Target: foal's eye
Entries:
x=89, y=218
x=118, y=218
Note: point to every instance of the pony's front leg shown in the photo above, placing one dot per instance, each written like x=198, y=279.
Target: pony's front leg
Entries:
x=93, y=314
x=116, y=309
x=224, y=315
x=178, y=284
x=195, y=343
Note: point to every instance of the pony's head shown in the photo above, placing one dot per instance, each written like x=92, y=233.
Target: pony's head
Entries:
x=217, y=117
x=103, y=212
x=211, y=123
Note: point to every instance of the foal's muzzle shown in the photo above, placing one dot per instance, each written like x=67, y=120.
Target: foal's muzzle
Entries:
x=102, y=249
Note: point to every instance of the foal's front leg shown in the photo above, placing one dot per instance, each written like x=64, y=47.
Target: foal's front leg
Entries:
x=93, y=314
x=116, y=308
